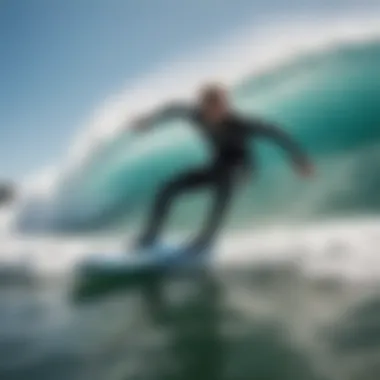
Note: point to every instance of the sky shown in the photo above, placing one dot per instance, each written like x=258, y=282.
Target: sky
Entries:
x=61, y=59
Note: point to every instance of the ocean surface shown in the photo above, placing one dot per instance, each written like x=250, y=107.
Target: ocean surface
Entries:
x=293, y=292
x=263, y=321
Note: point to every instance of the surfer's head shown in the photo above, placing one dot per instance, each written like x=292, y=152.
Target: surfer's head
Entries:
x=213, y=102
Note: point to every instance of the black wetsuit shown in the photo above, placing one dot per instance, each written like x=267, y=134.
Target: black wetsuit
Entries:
x=232, y=155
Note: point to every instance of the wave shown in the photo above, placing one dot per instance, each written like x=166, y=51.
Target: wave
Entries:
x=327, y=100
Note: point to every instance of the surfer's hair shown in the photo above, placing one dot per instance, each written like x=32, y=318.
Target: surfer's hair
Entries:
x=211, y=93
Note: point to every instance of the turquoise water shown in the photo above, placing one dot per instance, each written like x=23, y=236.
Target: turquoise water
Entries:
x=258, y=323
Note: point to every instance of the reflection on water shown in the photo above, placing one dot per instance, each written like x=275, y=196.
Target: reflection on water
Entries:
x=264, y=322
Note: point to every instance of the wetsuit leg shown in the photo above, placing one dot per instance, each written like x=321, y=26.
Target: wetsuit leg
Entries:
x=223, y=187
x=184, y=183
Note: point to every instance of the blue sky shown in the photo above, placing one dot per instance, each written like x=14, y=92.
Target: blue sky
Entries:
x=60, y=59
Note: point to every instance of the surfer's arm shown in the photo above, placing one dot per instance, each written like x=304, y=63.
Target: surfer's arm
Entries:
x=170, y=111
x=270, y=131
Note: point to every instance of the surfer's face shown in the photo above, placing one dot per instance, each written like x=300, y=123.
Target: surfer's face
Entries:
x=215, y=107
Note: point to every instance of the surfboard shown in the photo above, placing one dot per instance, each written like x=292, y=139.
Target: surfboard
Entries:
x=158, y=257
x=106, y=271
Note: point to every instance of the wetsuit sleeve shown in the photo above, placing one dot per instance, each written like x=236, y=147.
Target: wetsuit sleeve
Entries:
x=263, y=129
x=170, y=111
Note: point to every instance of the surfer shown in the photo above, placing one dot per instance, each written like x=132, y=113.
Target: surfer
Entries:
x=229, y=135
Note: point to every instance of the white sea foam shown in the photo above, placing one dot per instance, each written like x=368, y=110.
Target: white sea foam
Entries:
x=340, y=249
